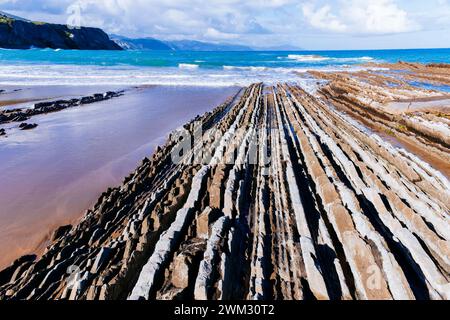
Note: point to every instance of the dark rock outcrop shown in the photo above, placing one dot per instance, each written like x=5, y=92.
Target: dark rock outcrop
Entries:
x=22, y=115
x=27, y=126
x=7, y=274
x=22, y=34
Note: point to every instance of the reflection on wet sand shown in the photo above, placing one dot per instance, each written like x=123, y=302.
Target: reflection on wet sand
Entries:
x=52, y=174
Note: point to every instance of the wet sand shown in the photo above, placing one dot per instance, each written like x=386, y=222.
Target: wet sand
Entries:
x=51, y=175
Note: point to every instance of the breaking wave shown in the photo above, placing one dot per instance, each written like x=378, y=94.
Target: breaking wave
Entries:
x=307, y=58
x=317, y=58
x=246, y=68
x=191, y=75
x=188, y=66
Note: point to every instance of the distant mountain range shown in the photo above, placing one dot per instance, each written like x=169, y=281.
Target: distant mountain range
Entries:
x=179, y=45
x=189, y=45
x=19, y=33
x=279, y=48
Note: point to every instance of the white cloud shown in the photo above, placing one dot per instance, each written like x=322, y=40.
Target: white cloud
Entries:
x=214, y=34
x=322, y=18
x=359, y=17
x=214, y=20
x=442, y=16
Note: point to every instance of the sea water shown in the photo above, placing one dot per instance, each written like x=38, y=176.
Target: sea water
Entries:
x=73, y=67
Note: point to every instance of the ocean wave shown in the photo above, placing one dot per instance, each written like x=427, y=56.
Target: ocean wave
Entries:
x=188, y=66
x=355, y=59
x=23, y=75
x=246, y=68
x=317, y=58
x=307, y=58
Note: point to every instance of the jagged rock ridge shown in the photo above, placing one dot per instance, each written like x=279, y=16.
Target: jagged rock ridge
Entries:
x=319, y=208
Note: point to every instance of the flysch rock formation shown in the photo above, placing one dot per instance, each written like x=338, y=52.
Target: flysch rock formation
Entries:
x=308, y=205
x=415, y=117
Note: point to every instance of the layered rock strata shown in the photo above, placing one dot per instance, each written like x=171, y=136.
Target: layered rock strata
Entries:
x=289, y=199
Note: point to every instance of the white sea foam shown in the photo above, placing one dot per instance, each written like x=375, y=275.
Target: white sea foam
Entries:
x=317, y=58
x=246, y=68
x=188, y=66
x=307, y=58
x=22, y=75
x=355, y=59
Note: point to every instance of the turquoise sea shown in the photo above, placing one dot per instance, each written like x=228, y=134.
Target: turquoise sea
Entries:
x=188, y=68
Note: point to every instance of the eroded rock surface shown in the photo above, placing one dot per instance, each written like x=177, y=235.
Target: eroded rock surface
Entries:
x=309, y=205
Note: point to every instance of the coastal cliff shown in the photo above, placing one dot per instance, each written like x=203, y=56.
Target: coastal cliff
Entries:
x=16, y=33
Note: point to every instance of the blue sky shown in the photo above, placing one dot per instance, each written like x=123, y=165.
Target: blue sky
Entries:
x=310, y=24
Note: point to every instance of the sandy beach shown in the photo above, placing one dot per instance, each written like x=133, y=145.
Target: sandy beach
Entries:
x=51, y=175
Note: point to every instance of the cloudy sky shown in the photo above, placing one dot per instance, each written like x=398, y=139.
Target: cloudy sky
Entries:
x=310, y=24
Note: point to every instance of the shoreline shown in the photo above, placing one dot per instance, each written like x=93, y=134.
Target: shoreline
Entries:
x=70, y=178
x=222, y=231
x=182, y=231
